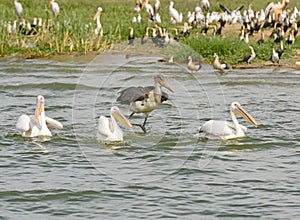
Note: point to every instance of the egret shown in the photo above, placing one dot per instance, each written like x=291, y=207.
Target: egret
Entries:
x=19, y=8
x=55, y=7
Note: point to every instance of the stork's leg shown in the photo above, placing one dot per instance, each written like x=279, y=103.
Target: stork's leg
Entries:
x=143, y=125
x=131, y=115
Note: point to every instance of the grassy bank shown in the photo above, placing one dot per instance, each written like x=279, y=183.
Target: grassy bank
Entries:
x=73, y=30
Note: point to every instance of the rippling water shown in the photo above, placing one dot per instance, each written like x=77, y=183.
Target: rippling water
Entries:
x=168, y=172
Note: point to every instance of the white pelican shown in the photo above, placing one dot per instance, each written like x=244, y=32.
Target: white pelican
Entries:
x=19, y=8
x=55, y=7
x=192, y=66
x=99, y=29
x=175, y=16
x=228, y=130
x=108, y=129
x=145, y=99
x=36, y=125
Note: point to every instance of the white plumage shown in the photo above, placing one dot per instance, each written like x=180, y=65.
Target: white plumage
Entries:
x=36, y=125
x=19, y=8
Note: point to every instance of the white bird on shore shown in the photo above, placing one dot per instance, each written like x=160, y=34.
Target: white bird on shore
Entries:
x=175, y=16
x=19, y=8
x=36, y=125
x=108, y=129
x=228, y=130
x=99, y=29
x=55, y=7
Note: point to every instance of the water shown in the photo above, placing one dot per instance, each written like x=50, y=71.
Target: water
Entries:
x=168, y=172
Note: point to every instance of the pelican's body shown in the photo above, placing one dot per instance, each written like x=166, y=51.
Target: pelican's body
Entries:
x=36, y=125
x=19, y=8
x=228, y=130
x=108, y=129
x=145, y=99
x=55, y=7
x=192, y=66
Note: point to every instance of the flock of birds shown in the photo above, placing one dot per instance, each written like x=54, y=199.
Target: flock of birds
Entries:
x=282, y=22
x=141, y=100
x=145, y=99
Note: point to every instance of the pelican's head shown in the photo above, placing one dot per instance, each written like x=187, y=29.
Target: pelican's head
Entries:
x=237, y=109
x=98, y=13
x=158, y=79
x=117, y=114
x=39, y=108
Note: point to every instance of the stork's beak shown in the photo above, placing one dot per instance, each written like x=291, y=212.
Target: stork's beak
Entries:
x=50, y=3
x=247, y=116
x=117, y=114
x=165, y=84
x=39, y=108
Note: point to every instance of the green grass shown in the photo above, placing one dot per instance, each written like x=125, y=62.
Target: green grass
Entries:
x=76, y=25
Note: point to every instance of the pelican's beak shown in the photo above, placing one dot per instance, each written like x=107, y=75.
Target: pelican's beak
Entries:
x=39, y=108
x=117, y=114
x=166, y=85
x=247, y=116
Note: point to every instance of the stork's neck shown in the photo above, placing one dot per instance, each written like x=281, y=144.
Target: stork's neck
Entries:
x=98, y=22
x=157, y=93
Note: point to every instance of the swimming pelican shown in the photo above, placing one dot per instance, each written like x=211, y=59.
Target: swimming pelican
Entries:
x=55, y=7
x=19, y=8
x=192, y=66
x=99, y=29
x=228, y=130
x=108, y=129
x=36, y=125
x=145, y=99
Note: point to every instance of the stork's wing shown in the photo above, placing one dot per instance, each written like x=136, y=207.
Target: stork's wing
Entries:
x=133, y=94
x=23, y=123
x=164, y=96
x=53, y=123
x=223, y=8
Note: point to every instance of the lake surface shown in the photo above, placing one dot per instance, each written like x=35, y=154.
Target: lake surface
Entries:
x=168, y=172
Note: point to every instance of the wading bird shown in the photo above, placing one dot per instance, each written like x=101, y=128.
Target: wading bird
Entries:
x=193, y=67
x=19, y=8
x=228, y=130
x=275, y=56
x=131, y=36
x=36, y=125
x=108, y=129
x=55, y=7
x=275, y=9
x=145, y=99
